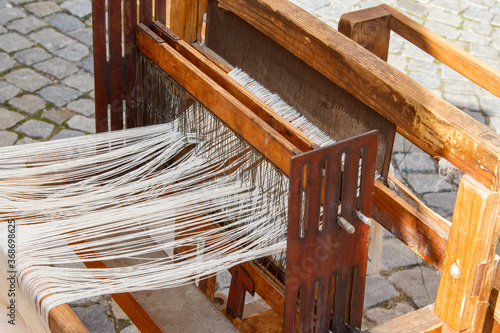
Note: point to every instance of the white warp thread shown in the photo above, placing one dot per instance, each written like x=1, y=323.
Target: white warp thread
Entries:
x=116, y=192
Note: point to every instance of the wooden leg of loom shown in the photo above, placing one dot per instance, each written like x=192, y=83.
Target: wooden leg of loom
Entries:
x=63, y=320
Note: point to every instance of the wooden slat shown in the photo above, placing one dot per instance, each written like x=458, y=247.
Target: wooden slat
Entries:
x=129, y=23
x=446, y=130
x=232, y=112
x=271, y=117
x=184, y=19
x=145, y=12
x=266, y=322
x=100, y=65
x=425, y=235
x=420, y=321
x=445, y=51
x=63, y=320
x=467, y=275
x=116, y=72
x=161, y=11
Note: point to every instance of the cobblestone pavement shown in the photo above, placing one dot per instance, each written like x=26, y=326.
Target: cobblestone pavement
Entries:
x=46, y=91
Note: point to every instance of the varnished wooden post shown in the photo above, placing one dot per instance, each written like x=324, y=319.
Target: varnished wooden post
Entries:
x=371, y=29
x=184, y=19
x=470, y=263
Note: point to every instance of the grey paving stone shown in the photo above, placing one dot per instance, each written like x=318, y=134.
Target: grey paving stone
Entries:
x=118, y=313
x=396, y=43
x=82, y=35
x=495, y=124
x=441, y=203
x=311, y=5
x=7, y=91
x=94, y=318
x=87, y=64
x=130, y=329
x=449, y=73
x=444, y=17
x=51, y=39
x=456, y=87
x=453, y=6
x=13, y=42
x=82, y=123
x=65, y=134
x=82, y=81
x=43, y=8
x=92, y=94
x=428, y=80
x=223, y=279
x=9, y=118
x=377, y=316
x=58, y=115
x=424, y=65
x=378, y=290
x=28, y=103
x=396, y=254
x=427, y=183
x=2, y=30
x=27, y=79
x=478, y=14
x=57, y=67
x=472, y=37
x=462, y=101
x=414, y=162
x=7, y=138
x=85, y=107
x=490, y=106
x=483, y=51
x=445, y=30
x=496, y=21
x=31, y=56
x=401, y=144
x=80, y=8
x=59, y=95
x=26, y=25
x=64, y=22
x=6, y=62
x=420, y=283
x=8, y=14
x=73, y=52
x=25, y=140
x=36, y=128
x=481, y=28
x=19, y=2
x=413, y=7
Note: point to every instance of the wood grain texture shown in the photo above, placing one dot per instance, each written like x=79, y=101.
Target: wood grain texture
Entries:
x=100, y=65
x=335, y=111
x=450, y=133
x=420, y=321
x=63, y=320
x=266, y=322
x=228, y=109
x=424, y=234
x=184, y=19
x=271, y=117
x=467, y=275
x=445, y=51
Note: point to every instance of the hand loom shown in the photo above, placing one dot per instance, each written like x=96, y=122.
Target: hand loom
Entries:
x=349, y=93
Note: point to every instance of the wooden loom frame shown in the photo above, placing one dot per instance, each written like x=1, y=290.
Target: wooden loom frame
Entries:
x=432, y=124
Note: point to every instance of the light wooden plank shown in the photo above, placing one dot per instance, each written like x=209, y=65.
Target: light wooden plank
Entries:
x=271, y=117
x=63, y=320
x=450, y=133
x=184, y=19
x=467, y=275
x=266, y=322
x=420, y=321
x=227, y=108
x=445, y=51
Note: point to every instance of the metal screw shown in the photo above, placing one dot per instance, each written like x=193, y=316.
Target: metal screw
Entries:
x=345, y=225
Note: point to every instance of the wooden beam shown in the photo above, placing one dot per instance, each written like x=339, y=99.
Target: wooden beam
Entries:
x=184, y=19
x=63, y=320
x=472, y=147
x=227, y=108
x=467, y=275
x=271, y=117
x=420, y=321
x=445, y=51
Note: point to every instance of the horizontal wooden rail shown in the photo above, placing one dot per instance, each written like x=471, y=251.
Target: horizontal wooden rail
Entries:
x=225, y=106
x=445, y=51
x=441, y=127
